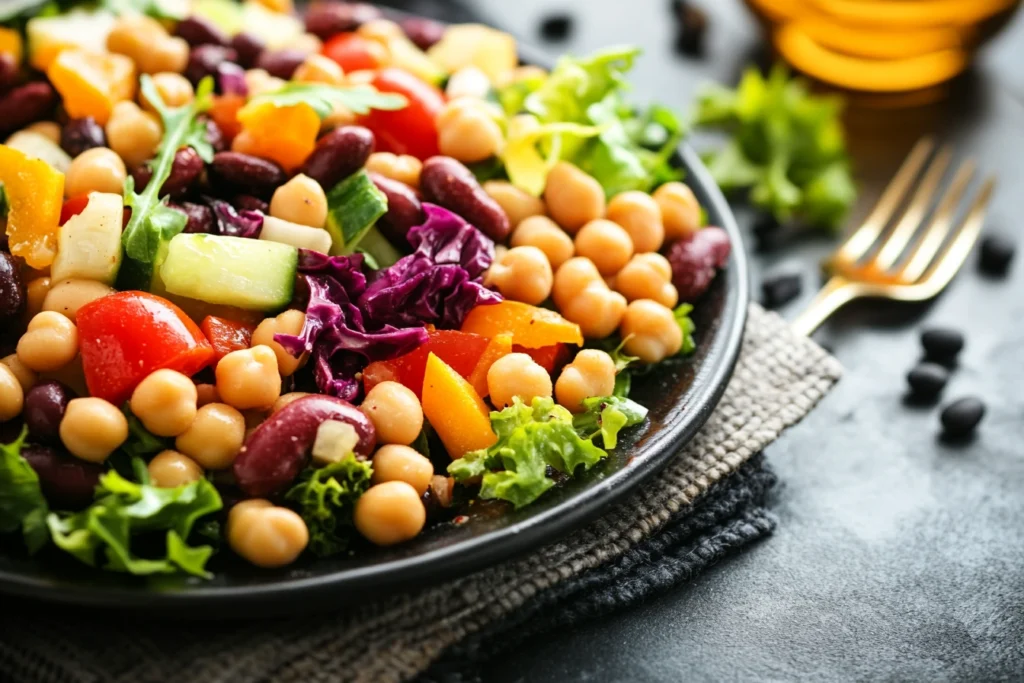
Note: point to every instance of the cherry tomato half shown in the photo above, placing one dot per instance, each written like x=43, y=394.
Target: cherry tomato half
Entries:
x=459, y=350
x=410, y=130
x=226, y=335
x=353, y=52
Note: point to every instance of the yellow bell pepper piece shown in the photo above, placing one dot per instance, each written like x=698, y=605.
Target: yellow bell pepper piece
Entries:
x=286, y=135
x=91, y=83
x=455, y=410
x=11, y=44
x=35, y=192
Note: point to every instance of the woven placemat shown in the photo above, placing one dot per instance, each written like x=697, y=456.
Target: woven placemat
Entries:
x=778, y=379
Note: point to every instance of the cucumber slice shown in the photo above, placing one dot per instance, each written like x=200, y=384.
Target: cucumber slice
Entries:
x=301, y=236
x=377, y=247
x=353, y=206
x=89, y=244
x=235, y=271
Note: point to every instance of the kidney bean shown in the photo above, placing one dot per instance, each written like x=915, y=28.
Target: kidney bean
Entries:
x=79, y=135
x=325, y=19
x=12, y=290
x=249, y=48
x=448, y=183
x=696, y=259
x=339, y=154
x=67, y=482
x=246, y=202
x=45, y=404
x=422, y=31
x=404, y=209
x=26, y=104
x=281, y=63
x=186, y=168
x=246, y=173
x=8, y=71
x=5, y=245
x=200, y=31
x=204, y=59
x=278, y=449
x=200, y=217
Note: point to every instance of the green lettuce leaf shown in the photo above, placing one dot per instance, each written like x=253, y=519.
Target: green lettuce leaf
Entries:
x=607, y=416
x=323, y=98
x=21, y=498
x=124, y=509
x=326, y=499
x=685, y=322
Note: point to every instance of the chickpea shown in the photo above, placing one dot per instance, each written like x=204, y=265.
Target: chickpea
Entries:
x=214, y=437
x=573, y=197
x=259, y=81
x=650, y=331
x=395, y=462
x=680, y=210
x=67, y=296
x=340, y=116
x=640, y=216
x=290, y=322
x=133, y=133
x=48, y=129
x=165, y=402
x=145, y=41
x=306, y=43
x=381, y=30
x=363, y=76
x=591, y=373
x=301, y=200
x=469, y=81
x=26, y=378
x=522, y=274
x=395, y=412
x=35, y=295
x=647, y=276
x=173, y=88
x=266, y=535
x=390, y=513
x=542, y=232
x=606, y=244
x=319, y=69
x=12, y=396
x=596, y=309
x=403, y=168
x=95, y=170
x=573, y=277
x=206, y=394
x=49, y=343
x=249, y=378
x=286, y=399
x=517, y=204
x=517, y=375
x=468, y=133
x=279, y=6
x=171, y=469
x=92, y=428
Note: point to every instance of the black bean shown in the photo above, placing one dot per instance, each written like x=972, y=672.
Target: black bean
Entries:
x=80, y=135
x=404, y=210
x=68, y=483
x=338, y=155
x=927, y=380
x=248, y=47
x=12, y=290
x=204, y=59
x=26, y=104
x=281, y=63
x=556, y=27
x=942, y=344
x=246, y=173
x=200, y=31
x=425, y=33
x=45, y=404
x=961, y=417
x=781, y=288
x=996, y=254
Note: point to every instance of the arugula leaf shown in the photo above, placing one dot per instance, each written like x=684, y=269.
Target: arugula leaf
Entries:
x=323, y=98
x=326, y=499
x=21, y=498
x=686, y=324
x=124, y=509
x=607, y=416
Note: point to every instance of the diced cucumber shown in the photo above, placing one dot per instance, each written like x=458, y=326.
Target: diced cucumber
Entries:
x=39, y=146
x=48, y=35
x=277, y=30
x=353, y=206
x=405, y=55
x=301, y=236
x=224, y=14
x=235, y=271
x=89, y=244
x=377, y=247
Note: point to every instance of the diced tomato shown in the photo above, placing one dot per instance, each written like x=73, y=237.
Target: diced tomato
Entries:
x=76, y=205
x=459, y=350
x=226, y=335
x=410, y=130
x=354, y=52
x=125, y=336
x=224, y=112
x=550, y=358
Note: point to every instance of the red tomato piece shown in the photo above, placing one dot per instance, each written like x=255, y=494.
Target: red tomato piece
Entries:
x=459, y=350
x=410, y=130
x=125, y=336
x=354, y=52
x=226, y=335
x=550, y=358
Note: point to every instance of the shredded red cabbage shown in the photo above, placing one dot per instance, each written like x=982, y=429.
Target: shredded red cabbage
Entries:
x=233, y=223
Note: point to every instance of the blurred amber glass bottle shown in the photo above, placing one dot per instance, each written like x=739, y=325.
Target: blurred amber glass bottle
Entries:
x=881, y=46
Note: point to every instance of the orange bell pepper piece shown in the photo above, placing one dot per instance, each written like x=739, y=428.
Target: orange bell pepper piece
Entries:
x=498, y=347
x=455, y=410
x=91, y=83
x=529, y=326
x=35, y=194
x=224, y=113
x=286, y=135
x=11, y=43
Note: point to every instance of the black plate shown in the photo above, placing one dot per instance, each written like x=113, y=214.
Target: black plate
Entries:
x=680, y=396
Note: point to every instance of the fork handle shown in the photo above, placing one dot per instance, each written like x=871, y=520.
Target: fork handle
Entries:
x=837, y=292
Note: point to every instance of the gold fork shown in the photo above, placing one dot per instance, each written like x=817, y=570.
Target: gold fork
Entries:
x=874, y=262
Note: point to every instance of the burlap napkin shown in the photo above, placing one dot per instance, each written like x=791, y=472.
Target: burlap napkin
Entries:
x=779, y=378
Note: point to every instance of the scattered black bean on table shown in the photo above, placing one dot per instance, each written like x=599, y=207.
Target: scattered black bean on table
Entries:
x=942, y=344
x=927, y=380
x=961, y=417
x=996, y=254
x=556, y=27
x=781, y=288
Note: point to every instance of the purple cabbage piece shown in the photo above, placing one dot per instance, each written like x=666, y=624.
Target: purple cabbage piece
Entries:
x=447, y=238
x=234, y=223
x=231, y=79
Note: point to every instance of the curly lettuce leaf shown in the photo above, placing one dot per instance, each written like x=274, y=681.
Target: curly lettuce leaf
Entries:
x=124, y=509
x=326, y=499
x=324, y=98
x=686, y=324
x=606, y=416
x=21, y=498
